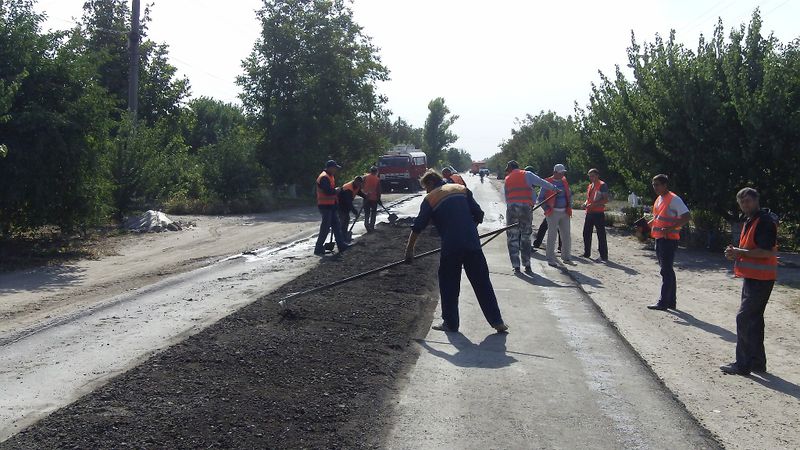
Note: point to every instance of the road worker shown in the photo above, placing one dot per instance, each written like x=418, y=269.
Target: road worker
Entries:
x=450, y=176
x=558, y=211
x=519, y=196
x=595, y=204
x=347, y=194
x=326, y=203
x=670, y=214
x=372, y=189
x=456, y=215
x=755, y=261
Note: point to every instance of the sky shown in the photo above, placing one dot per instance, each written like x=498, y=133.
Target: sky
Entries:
x=492, y=61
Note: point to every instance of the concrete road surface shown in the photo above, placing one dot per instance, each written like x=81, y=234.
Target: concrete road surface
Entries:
x=562, y=378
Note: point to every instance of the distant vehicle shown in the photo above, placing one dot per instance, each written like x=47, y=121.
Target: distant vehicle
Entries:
x=477, y=166
x=401, y=168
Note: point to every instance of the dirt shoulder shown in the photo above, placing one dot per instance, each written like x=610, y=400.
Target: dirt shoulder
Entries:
x=686, y=347
x=316, y=377
x=131, y=261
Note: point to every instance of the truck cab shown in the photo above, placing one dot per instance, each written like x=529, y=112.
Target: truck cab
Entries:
x=401, y=168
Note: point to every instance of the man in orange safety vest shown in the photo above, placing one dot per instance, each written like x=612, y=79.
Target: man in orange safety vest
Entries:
x=756, y=261
x=670, y=214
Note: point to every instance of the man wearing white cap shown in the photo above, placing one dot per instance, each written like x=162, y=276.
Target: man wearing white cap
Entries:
x=558, y=211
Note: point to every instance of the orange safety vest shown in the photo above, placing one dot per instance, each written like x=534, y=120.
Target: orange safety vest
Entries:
x=349, y=187
x=754, y=268
x=517, y=188
x=372, y=184
x=323, y=198
x=456, y=178
x=591, y=193
x=549, y=205
x=663, y=225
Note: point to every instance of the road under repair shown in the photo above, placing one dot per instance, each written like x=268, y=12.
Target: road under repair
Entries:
x=338, y=371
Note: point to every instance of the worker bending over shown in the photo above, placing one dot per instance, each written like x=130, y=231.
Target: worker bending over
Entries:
x=450, y=176
x=347, y=194
x=456, y=215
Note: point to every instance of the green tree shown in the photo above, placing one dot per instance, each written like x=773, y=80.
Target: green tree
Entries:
x=211, y=121
x=436, y=133
x=403, y=132
x=56, y=128
x=460, y=159
x=310, y=85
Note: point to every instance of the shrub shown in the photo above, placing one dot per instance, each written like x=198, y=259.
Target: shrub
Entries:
x=611, y=219
x=632, y=214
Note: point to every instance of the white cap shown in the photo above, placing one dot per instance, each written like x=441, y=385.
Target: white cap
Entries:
x=560, y=168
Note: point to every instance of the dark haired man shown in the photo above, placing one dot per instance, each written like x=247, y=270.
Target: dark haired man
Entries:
x=756, y=261
x=456, y=215
x=670, y=214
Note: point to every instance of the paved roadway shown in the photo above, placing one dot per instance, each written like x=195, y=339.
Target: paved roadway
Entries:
x=562, y=378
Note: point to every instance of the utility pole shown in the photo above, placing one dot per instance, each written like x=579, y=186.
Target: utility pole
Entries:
x=133, y=66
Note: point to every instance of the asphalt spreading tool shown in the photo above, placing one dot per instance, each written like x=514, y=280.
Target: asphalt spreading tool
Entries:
x=492, y=235
x=330, y=245
x=392, y=216
x=350, y=231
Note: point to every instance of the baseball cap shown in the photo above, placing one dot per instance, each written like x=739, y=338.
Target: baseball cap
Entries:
x=512, y=165
x=332, y=163
x=530, y=169
x=560, y=168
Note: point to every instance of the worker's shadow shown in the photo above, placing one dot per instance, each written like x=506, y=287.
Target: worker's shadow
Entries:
x=489, y=354
x=690, y=320
x=776, y=383
x=538, y=280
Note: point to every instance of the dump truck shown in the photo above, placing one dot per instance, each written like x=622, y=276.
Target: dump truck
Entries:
x=401, y=168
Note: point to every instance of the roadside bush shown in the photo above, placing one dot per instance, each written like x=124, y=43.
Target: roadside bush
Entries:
x=632, y=214
x=577, y=199
x=611, y=220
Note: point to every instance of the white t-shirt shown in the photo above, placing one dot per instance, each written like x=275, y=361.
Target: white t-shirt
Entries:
x=677, y=207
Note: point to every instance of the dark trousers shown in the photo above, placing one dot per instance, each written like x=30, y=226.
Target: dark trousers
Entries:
x=750, y=352
x=596, y=221
x=474, y=264
x=330, y=221
x=665, y=252
x=370, y=212
x=541, y=233
x=344, y=220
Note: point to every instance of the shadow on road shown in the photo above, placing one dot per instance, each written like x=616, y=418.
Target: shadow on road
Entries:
x=690, y=320
x=538, y=280
x=777, y=383
x=489, y=354
x=35, y=280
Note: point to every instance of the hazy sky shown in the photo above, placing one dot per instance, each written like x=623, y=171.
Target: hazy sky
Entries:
x=493, y=61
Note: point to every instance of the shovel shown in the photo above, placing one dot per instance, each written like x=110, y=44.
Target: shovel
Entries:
x=392, y=216
x=350, y=231
x=330, y=245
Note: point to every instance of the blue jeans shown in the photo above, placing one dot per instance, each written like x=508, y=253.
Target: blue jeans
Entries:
x=330, y=221
x=665, y=252
x=474, y=264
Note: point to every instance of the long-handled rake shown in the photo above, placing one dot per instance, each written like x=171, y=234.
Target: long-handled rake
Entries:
x=296, y=295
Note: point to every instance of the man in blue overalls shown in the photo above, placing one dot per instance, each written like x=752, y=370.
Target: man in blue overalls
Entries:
x=456, y=215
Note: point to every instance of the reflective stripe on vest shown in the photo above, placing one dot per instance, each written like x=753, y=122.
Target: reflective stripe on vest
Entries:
x=550, y=205
x=323, y=198
x=663, y=224
x=371, y=186
x=517, y=188
x=754, y=268
x=590, y=197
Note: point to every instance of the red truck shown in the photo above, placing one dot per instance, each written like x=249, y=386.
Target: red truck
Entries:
x=477, y=166
x=401, y=168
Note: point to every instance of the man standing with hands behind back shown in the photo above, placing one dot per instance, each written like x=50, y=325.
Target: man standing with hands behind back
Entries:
x=596, y=199
x=755, y=260
x=670, y=214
